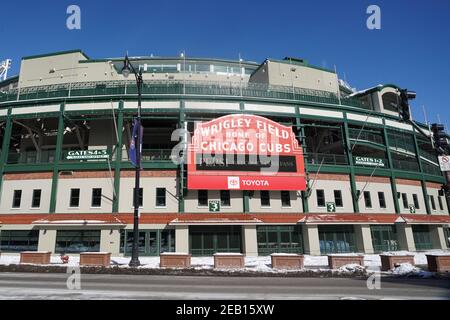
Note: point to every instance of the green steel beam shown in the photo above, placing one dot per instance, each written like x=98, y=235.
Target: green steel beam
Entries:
x=181, y=171
x=303, y=145
x=5, y=147
x=115, y=206
x=393, y=176
x=352, y=168
x=58, y=152
x=422, y=180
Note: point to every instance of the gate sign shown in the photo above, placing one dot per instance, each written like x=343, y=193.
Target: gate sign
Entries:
x=245, y=152
x=214, y=205
x=331, y=207
x=444, y=163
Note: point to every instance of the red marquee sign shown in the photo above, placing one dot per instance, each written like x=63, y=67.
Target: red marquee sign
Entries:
x=245, y=152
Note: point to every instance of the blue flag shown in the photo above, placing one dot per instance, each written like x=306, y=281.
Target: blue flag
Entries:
x=133, y=153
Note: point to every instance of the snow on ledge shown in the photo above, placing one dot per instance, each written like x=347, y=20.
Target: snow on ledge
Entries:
x=228, y=254
x=351, y=254
x=174, y=254
x=83, y=253
x=285, y=254
x=35, y=252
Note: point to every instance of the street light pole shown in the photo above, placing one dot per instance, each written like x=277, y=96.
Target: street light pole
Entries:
x=127, y=66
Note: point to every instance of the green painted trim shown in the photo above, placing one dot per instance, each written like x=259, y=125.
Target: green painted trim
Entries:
x=181, y=169
x=422, y=182
x=246, y=201
x=58, y=151
x=115, y=205
x=5, y=147
x=55, y=54
x=301, y=129
x=393, y=182
x=352, y=167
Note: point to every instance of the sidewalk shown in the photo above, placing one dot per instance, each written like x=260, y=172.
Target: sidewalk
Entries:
x=254, y=266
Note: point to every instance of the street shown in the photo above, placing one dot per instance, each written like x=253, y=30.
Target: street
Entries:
x=106, y=286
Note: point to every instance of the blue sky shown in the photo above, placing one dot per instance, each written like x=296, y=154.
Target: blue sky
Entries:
x=412, y=49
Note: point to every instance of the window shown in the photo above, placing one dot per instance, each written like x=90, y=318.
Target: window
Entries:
x=285, y=199
x=160, y=197
x=336, y=239
x=405, y=200
x=320, y=198
x=141, y=196
x=381, y=200
x=367, y=199
x=74, y=197
x=19, y=240
x=17, y=197
x=441, y=205
x=390, y=101
x=96, y=197
x=416, y=201
x=265, y=198
x=433, y=204
x=36, y=201
x=384, y=238
x=275, y=239
x=338, y=198
x=225, y=198
x=202, y=198
x=74, y=241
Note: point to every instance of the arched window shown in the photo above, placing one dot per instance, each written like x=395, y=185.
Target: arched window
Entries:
x=390, y=101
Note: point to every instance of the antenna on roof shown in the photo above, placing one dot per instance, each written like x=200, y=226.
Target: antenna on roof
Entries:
x=6, y=64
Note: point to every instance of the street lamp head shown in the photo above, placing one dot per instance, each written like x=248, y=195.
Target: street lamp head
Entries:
x=126, y=68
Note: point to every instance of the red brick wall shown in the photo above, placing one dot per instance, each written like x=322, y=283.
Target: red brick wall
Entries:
x=408, y=182
x=372, y=179
x=148, y=173
x=330, y=176
x=28, y=176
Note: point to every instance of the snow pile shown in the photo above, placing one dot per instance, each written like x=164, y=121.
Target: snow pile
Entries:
x=405, y=268
x=351, y=268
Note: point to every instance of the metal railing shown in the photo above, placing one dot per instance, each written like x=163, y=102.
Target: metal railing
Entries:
x=365, y=135
x=159, y=87
x=317, y=158
x=151, y=155
x=31, y=157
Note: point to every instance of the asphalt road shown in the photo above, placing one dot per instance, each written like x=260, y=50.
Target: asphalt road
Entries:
x=106, y=286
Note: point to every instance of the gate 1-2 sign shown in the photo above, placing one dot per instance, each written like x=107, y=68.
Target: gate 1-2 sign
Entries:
x=444, y=163
x=245, y=152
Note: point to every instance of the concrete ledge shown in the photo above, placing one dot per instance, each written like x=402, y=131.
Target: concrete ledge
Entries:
x=389, y=262
x=228, y=260
x=35, y=257
x=438, y=263
x=95, y=259
x=336, y=261
x=174, y=260
x=287, y=261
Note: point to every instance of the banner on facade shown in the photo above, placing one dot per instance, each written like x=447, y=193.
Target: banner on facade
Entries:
x=245, y=152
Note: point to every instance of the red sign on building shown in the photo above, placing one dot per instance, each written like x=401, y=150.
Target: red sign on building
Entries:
x=245, y=152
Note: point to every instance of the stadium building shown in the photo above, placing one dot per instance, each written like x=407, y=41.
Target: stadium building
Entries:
x=361, y=179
